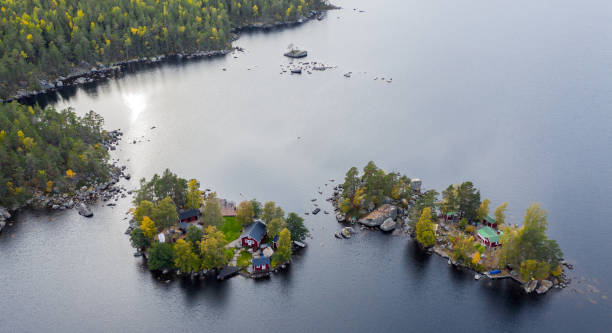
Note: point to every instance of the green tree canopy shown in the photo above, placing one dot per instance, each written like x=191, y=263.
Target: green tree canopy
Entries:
x=43, y=151
x=146, y=208
x=500, y=214
x=275, y=226
x=483, y=210
x=257, y=208
x=138, y=239
x=245, y=213
x=165, y=214
x=530, y=241
x=296, y=227
x=425, y=233
x=161, y=256
x=185, y=260
x=284, y=246
x=194, y=195
x=212, y=249
x=211, y=214
x=194, y=234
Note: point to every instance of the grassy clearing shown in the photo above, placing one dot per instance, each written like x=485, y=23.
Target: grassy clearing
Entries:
x=231, y=228
x=229, y=254
x=244, y=259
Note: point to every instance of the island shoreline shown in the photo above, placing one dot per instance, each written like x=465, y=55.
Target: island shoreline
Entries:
x=117, y=69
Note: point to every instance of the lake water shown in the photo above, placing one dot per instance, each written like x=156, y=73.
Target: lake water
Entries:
x=514, y=96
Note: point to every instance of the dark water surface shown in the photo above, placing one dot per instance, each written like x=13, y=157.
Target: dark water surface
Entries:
x=514, y=96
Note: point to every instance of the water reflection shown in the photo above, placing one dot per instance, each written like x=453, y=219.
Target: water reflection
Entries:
x=136, y=102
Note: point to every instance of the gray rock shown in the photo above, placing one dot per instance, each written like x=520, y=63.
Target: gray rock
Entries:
x=5, y=213
x=378, y=216
x=55, y=207
x=544, y=286
x=340, y=217
x=388, y=225
x=346, y=232
x=2, y=225
x=530, y=286
x=84, y=210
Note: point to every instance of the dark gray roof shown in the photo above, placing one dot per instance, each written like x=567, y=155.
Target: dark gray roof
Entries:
x=189, y=213
x=261, y=261
x=255, y=230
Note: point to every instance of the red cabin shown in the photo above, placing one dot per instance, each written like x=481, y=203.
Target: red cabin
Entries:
x=253, y=234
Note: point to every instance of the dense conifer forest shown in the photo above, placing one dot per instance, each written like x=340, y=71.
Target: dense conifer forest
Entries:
x=48, y=152
x=43, y=39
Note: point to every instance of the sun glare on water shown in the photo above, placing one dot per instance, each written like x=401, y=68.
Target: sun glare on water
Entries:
x=136, y=103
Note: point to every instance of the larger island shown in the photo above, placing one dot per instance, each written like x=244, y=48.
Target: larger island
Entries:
x=50, y=44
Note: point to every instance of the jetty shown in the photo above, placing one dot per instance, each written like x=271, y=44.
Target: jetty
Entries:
x=228, y=272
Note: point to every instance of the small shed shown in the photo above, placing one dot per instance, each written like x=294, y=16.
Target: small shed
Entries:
x=191, y=215
x=490, y=222
x=261, y=263
x=489, y=236
x=450, y=216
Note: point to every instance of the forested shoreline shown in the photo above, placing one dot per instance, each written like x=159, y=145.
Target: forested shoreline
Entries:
x=45, y=153
x=44, y=40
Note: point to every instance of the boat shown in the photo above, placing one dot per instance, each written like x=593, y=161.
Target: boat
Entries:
x=296, y=53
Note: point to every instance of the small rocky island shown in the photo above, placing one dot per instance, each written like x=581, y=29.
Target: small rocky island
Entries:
x=295, y=53
x=456, y=226
x=182, y=230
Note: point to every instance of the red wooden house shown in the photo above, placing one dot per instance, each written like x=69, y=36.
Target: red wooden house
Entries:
x=253, y=234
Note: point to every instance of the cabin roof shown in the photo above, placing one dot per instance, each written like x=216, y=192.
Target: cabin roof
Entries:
x=189, y=213
x=255, y=230
x=489, y=233
x=261, y=261
x=490, y=219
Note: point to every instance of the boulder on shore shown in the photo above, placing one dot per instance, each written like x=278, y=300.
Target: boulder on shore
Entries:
x=544, y=286
x=530, y=286
x=84, y=210
x=388, y=225
x=379, y=215
x=4, y=213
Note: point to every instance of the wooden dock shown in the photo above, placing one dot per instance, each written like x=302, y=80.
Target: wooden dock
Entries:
x=228, y=272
